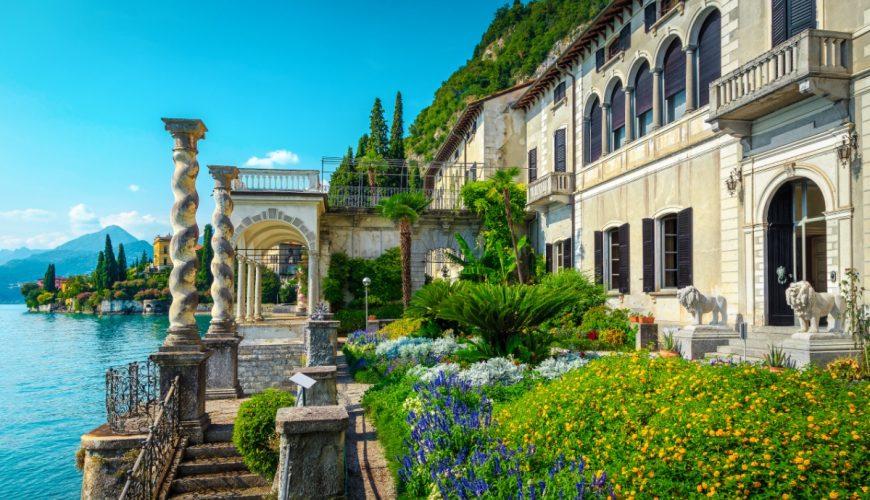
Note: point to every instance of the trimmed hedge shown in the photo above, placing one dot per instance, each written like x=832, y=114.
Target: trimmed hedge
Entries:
x=254, y=431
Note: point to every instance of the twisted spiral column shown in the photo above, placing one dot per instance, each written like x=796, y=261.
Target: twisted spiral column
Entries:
x=185, y=233
x=222, y=320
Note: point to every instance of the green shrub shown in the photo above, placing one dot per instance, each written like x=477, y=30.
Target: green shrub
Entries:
x=254, y=431
x=345, y=275
x=355, y=319
x=584, y=293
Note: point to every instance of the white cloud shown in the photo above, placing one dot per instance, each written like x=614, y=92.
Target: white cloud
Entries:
x=139, y=225
x=273, y=158
x=27, y=215
x=82, y=219
x=40, y=241
x=134, y=188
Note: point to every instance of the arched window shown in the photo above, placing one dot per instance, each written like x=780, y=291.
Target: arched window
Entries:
x=594, y=130
x=643, y=101
x=617, y=117
x=675, y=82
x=709, y=56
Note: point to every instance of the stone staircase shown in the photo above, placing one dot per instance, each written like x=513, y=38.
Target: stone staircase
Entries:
x=215, y=470
x=758, y=343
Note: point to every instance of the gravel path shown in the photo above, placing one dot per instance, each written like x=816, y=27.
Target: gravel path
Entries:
x=367, y=474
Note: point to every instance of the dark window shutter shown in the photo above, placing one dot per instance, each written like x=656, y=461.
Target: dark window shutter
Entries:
x=599, y=257
x=533, y=164
x=559, y=140
x=567, y=255
x=778, y=27
x=684, y=248
x=617, y=107
x=559, y=92
x=624, y=256
x=709, y=56
x=801, y=16
x=649, y=16
x=599, y=59
x=625, y=37
x=675, y=69
x=649, y=256
x=549, y=257
x=595, y=131
x=643, y=90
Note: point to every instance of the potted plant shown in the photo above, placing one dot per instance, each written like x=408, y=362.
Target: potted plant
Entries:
x=776, y=360
x=671, y=348
x=634, y=317
x=372, y=317
x=647, y=319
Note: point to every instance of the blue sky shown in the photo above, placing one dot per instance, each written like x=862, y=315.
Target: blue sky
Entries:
x=83, y=86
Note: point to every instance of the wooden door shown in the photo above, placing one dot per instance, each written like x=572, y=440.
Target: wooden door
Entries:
x=780, y=253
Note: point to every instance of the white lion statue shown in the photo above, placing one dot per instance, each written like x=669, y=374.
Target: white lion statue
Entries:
x=699, y=304
x=809, y=306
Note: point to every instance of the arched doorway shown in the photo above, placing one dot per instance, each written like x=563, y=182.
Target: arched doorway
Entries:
x=796, y=245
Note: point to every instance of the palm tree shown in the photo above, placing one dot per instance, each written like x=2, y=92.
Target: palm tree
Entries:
x=404, y=209
x=502, y=180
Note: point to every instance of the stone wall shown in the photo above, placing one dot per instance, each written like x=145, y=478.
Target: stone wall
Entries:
x=120, y=307
x=268, y=363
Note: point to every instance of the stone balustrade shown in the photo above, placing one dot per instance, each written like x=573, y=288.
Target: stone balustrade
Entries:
x=550, y=184
x=267, y=179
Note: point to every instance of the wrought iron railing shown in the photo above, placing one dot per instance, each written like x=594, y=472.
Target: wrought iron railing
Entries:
x=368, y=197
x=146, y=477
x=132, y=392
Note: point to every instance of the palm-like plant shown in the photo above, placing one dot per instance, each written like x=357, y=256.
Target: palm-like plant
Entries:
x=404, y=209
x=502, y=180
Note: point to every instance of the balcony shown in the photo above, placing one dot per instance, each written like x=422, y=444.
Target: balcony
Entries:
x=814, y=62
x=553, y=187
x=278, y=181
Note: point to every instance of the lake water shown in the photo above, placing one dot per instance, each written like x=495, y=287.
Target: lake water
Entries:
x=52, y=390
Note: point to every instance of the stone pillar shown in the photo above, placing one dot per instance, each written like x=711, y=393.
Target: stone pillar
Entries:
x=104, y=458
x=605, y=128
x=657, y=97
x=249, y=296
x=311, y=458
x=241, y=291
x=690, y=78
x=222, y=368
x=258, y=294
x=629, y=117
x=324, y=392
x=313, y=293
x=182, y=353
x=321, y=342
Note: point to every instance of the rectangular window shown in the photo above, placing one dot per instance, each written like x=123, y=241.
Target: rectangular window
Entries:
x=561, y=157
x=612, y=260
x=533, y=164
x=644, y=123
x=618, y=139
x=558, y=258
x=559, y=92
x=790, y=17
x=649, y=16
x=666, y=6
x=669, y=251
x=599, y=59
x=613, y=49
x=675, y=106
x=625, y=37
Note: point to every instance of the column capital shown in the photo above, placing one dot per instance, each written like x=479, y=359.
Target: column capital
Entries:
x=691, y=48
x=657, y=70
x=605, y=105
x=185, y=131
x=628, y=89
x=223, y=175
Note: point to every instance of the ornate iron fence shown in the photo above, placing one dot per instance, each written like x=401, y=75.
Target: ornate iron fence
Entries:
x=132, y=392
x=368, y=197
x=149, y=471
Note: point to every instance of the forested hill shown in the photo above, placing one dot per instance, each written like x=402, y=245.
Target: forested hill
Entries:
x=515, y=44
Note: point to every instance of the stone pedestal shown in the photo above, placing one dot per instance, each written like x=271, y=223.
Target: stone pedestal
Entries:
x=222, y=372
x=819, y=348
x=324, y=391
x=190, y=366
x=697, y=340
x=321, y=342
x=647, y=333
x=372, y=325
x=311, y=463
x=105, y=459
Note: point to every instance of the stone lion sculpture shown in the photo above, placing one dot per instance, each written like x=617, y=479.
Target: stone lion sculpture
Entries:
x=699, y=304
x=810, y=305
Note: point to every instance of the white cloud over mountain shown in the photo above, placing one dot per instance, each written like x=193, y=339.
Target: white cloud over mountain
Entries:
x=27, y=215
x=273, y=158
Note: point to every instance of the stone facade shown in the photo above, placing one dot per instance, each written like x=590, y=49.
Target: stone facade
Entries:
x=269, y=364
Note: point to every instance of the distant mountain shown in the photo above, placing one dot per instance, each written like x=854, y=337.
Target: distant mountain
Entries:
x=78, y=256
x=16, y=253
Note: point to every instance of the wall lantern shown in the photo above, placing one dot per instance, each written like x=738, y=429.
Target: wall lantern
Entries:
x=734, y=180
x=445, y=272
x=847, y=150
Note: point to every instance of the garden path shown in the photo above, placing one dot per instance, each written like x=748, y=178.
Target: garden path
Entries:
x=367, y=474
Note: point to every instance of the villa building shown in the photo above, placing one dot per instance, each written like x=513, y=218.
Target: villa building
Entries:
x=161, y=252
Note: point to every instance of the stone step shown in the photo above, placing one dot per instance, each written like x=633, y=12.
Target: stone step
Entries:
x=211, y=465
x=238, y=480
x=256, y=493
x=219, y=433
x=738, y=351
x=210, y=450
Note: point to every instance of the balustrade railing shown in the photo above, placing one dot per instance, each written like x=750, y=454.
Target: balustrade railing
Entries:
x=149, y=471
x=264, y=179
x=558, y=183
x=132, y=392
x=368, y=197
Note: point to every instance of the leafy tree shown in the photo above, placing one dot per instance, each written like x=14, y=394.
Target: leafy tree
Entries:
x=111, y=263
x=502, y=181
x=31, y=292
x=100, y=273
x=345, y=174
x=270, y=285
x=48, y=280
x=204, y=276
x=397, y=132
x=404, y=209
x=362, y=146
x=378, y=141
x=122, y=262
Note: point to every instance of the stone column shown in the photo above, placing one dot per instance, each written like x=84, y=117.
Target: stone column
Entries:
x=241, y=292
x=324, y=392
x=222, y=368
x=311, y=458
x=605, y=128
x=182, y=353
x=321, y=342
x=258, y=294
x=249, y=296
x=657, y=97
x=629, y=117
x=690, y=78
x=313, y=293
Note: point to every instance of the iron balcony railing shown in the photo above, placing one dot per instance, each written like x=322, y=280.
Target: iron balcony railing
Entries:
x=132, y=392
x=364, y=197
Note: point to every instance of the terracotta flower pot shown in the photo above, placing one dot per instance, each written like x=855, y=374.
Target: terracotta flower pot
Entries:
x=372, y=318
x=775, y=369
x=647, y=321
x=634, y=319
x=668, y=354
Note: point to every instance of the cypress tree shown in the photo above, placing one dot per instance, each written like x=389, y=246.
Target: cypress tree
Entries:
x=100, y=272
x=144, y=260
x=378, y=142
x=122, y=263
x=204, y=275
x=48, y=279
x=111, y=263
x=362, y=146
x=344, y=174
x=397, y=131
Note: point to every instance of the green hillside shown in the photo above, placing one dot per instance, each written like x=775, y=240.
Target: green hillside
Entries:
x=515, y=44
